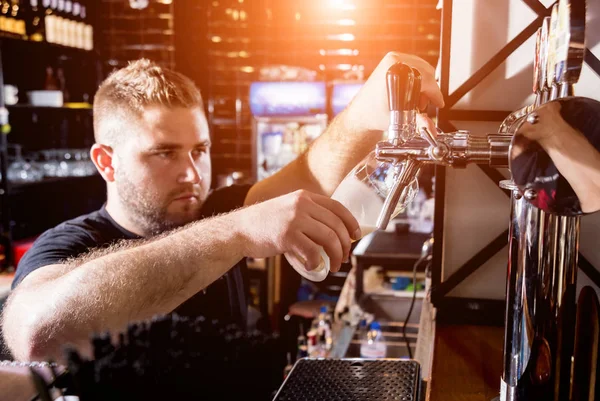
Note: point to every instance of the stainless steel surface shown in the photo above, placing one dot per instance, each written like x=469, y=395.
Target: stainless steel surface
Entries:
x=544, y=60
x=455, y=149
x=398, y=192
x=540, y=302
x=536, y=67
x=545, y=221
x=551, y=62
x=534, y=169
x=570, y=44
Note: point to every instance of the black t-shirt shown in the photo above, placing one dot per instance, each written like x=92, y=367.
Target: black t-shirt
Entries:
x=224, y=299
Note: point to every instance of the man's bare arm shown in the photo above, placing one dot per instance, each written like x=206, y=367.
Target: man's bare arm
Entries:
x=63, y=304
x=349, y=138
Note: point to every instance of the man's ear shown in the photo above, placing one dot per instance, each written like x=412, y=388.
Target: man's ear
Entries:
x=102, y=156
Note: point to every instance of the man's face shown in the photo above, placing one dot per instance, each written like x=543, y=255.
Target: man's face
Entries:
x=163, y=172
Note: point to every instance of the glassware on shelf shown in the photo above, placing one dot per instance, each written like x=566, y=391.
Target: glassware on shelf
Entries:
x=22, y=170
x=363, y=192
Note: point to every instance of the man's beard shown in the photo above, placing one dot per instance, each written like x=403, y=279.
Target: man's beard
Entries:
x=146, y=209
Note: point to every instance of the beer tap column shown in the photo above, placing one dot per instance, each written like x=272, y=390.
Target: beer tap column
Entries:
x=403, y=89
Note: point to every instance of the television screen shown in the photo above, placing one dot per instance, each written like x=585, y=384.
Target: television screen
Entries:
x=342, y=94
x=287, y=98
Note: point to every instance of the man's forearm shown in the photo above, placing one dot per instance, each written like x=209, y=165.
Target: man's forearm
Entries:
x=324, y=165
x=579, y=162
x=107, y=292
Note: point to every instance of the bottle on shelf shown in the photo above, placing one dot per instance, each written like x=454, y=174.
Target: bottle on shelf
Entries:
x=60, y=23
x=88, y=30
x=17, y=13
x=78, y=28
x=36, y=26
x=69, y=24
x=50, y=7
x=373, y=345
x=321, y=327
x=6, y=23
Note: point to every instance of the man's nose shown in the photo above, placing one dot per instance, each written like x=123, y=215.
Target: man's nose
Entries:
x=192, y=173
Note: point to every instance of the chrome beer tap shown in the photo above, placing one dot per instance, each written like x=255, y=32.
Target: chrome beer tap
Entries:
x=545, y=221
x=408, y=148
x=403, y=88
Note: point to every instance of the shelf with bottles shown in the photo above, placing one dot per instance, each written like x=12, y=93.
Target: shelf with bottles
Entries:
x=61, y=23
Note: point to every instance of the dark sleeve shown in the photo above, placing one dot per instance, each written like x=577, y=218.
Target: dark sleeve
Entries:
x=225, y=200
x=52, y=247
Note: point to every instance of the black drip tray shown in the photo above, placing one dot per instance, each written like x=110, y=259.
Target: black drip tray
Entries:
x=351, y=380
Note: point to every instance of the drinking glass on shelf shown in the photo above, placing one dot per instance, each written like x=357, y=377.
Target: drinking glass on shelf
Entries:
x=21, y=170
x=363, y=192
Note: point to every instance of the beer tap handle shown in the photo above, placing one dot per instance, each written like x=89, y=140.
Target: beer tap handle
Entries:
x=415, y=92
x=552, y=44
x=400, y=79
x=536, y=67
x=543, y=64
x=429, y=137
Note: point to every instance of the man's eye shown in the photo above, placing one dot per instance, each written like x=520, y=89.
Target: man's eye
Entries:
x=166, y=154
x=199, y=151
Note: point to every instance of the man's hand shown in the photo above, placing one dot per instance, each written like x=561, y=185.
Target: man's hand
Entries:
x=369, y=110
x=301, y=223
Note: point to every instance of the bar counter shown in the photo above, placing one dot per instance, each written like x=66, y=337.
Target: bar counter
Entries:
x=467, y=363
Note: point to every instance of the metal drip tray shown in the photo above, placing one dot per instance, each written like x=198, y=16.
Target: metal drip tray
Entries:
x=351, y=380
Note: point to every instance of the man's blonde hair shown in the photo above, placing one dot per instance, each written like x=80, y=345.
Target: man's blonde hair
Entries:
x=126, y=92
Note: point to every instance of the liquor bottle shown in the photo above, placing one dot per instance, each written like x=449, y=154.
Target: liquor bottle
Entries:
x=36, y=25
x=50, y=7
x=69, y=24
x=5, y=20
x=17, y=13
x=60, y=23
x=78, y=26
x=88, y=30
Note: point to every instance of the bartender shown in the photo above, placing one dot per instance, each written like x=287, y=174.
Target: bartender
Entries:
x=163, y=242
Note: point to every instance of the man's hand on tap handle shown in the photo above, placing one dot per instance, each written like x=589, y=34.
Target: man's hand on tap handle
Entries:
x=369, y=110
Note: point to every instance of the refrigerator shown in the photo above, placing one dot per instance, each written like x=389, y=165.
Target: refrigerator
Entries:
x=287, y=118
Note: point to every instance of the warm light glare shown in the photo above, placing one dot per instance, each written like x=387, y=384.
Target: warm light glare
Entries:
x=297, y=16
x=345, y=37
x=243, y=15
x=244, y=54
x=346, y=22
x=228, y=11
x=236, y=15
x=216, y=39
x=248, y=69
x=339, y=52
x=342, y=4
x=344, y=67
